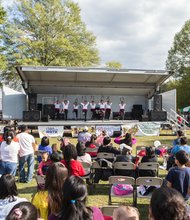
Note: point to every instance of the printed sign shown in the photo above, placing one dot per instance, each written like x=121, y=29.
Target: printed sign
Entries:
x=50, y=131
x=109, y=129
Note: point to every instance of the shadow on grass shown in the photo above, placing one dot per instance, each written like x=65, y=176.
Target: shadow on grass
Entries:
x=143, y=209
x=27, y=190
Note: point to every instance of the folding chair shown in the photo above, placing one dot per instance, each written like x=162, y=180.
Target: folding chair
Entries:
x=108, y=210
x=149, y=166
x=146, y=181
x=121, y=180
x=107, y=156
x=124, y=169
x=87, y=168
x=92, y=150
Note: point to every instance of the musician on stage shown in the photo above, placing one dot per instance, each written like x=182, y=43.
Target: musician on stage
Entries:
x=84, y=108
x=56, y=109
x=122, y=109
x=108, y=105
x=75, y=109
x=102, y=108
x=65, y=106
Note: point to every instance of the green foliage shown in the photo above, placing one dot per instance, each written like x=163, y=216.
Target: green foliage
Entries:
x=114, y=65
x=179, y=54
x=47, y=33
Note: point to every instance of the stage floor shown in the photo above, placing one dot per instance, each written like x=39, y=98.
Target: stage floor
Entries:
x=78, y=122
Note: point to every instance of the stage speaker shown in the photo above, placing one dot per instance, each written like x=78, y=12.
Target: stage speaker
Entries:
x=116, y=115
x=32, y=101
x=137, y=114
x=49, y=110
x=31, y=115
x=40, y=107
x=128, y=116
x=137, y=107
x=45, y=118
x=157, y=103
x=158, y=116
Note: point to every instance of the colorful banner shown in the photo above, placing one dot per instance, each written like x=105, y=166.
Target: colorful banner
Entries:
x=50, y=131
x=76, y=129
x=109, y=129
x=142, y=128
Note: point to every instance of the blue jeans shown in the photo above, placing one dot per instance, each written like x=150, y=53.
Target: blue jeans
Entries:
x=8, y=168
x=29, y=159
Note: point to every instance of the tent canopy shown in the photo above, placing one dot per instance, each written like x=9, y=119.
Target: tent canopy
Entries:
x=93, y=81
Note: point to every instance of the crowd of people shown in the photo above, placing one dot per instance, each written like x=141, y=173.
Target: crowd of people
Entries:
x=62, y=192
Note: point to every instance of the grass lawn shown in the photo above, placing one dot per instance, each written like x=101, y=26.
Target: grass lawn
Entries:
x=99, y=196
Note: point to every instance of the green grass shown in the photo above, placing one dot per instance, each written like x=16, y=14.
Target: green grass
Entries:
x=99, y=196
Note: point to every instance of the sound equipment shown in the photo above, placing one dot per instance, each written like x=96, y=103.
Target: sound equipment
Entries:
x=137, y=107
x=31, y=115
x=157, y=116
x=40, y=107
x=157, y=106
x=45, y=118
x=128, y=116
x=32, y=101
x=49, y=110
x=116, y=115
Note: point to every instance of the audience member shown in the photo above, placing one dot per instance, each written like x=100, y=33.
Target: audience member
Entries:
x=126, y=139
x=8, y=195
x=50, y=200
x=44, y=146
x=178, y=177
x=84, y=135
x=126, y=213
x=26, y=154
x=177, y=140
x=74, y=202
x=23, y=211
x=9, y=150
x=83, y=156
x=167, y=204
x=70, y=161
x=149, y=157
x=101, y=137
x=44, y=164
x=92, y=144
x=56, y=150
x=183, y=146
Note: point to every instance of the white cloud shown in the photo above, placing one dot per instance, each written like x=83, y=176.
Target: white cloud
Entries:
x=136, y=33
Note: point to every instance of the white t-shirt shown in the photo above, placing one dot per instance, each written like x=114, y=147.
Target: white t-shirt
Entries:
x=65, y=105
x=92, y=106
x=57, y=105
x=121, y=107
x=25, y=141
x=87, y=159
x=75, y=107
x=102, y=105
x=9, y=153
x=85, y=106
x=108, y=106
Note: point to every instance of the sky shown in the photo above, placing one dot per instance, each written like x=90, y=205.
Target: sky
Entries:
x=136, y=33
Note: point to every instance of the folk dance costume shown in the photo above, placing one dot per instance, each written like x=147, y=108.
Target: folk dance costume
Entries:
x=102, y=110
x=93, y=109
x=122, y=110
x=56, y=109
x=65, y=106
x=85, y=109
x=75, y=109
x=108, y=110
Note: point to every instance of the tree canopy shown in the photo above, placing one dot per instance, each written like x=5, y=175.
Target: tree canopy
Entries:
x=114, y=64
x=47, y=33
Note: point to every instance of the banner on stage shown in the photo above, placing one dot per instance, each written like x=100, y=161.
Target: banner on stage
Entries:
x=142, y=129
x=50, y=131
x=109, y=129
x=76, y=129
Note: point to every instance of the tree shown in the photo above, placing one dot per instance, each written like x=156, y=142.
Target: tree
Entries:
x=114, y=65
x=3, y=62
x=179, y=54
x=47, y=32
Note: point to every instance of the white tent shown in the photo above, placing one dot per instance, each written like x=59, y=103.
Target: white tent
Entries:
x=186, y=109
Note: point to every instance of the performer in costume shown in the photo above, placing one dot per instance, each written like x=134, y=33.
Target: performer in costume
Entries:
x=122, y=109
x=102, y=109
x=108, y=105
x=65, y=106
x=92, y=108
x=85, y=108
x=56, y=109
x=75, y=108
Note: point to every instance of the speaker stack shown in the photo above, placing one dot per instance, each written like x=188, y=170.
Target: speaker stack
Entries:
x=32, y=101
x=157, y=114
x=137, y=112
x=31, y=116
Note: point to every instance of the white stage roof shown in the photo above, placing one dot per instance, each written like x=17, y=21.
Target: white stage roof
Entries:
x=92, y=81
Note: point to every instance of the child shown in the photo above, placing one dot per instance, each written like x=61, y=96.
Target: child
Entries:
x=44, y=164
x=126, y=213
x=23, y=211
x=179, y=177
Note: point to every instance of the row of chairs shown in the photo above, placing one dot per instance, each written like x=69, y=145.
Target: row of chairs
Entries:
x=135, y=183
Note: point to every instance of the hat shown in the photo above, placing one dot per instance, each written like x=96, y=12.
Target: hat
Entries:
x=157, y=144
x=85, y=128
x=121, y=146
